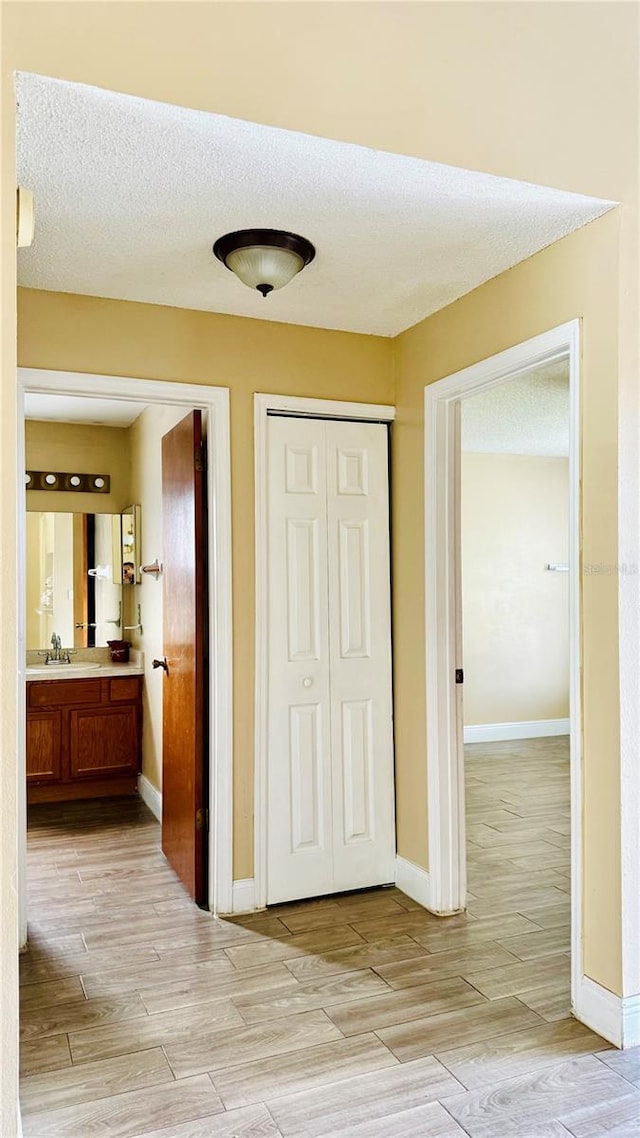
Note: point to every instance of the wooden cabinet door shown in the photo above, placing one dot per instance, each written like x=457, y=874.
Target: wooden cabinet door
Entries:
x=44, y=750
x=103, y=741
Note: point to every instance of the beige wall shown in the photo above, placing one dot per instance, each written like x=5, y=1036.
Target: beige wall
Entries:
x=76, y=333
x=146, y=491
x=458, y=83
x=515, y=518
x=86, y=449
x=574, y=278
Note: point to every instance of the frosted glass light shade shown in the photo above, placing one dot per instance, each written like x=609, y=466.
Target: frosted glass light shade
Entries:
x=264, y=265
x=264, y=259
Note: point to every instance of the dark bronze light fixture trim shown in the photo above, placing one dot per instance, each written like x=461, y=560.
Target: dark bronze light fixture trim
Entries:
x=73, y=482
x=297, y=253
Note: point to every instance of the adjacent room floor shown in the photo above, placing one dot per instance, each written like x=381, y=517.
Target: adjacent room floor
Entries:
x=361, y=1016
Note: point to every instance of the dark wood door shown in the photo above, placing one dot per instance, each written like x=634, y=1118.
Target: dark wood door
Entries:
x=185, y=731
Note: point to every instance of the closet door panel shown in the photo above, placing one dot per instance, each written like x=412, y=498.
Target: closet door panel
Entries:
x=360, y=650
x=354, y=589
x=300, y=839
x=358, y=769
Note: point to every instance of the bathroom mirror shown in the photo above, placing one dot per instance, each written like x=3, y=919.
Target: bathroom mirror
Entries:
x=72, y=560
x=130, y=546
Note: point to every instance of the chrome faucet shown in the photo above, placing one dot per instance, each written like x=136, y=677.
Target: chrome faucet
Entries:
x=59, y=655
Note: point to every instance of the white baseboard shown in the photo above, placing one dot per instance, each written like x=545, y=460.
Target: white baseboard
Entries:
x=613, y=1017
x=413, y=880
x=631, y=1021
x=528, y=729
x=244, y=896
x=151, y=796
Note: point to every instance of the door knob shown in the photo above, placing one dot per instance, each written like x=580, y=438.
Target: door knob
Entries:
x=161, y=664
x=307, y=682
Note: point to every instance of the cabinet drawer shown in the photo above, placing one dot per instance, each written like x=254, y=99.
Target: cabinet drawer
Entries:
x=124, y=689
x=53, y=693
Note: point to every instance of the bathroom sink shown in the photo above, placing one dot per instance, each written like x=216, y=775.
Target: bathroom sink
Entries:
x=62, y=669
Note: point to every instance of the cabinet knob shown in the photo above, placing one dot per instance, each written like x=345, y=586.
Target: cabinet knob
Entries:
x=307, y=682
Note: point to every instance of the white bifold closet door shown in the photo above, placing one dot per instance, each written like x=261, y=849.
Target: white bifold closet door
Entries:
x=330, y=784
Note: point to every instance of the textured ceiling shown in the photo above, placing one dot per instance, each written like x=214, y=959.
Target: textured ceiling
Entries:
x=80, y=409
x=130, y=195
x=528, y=415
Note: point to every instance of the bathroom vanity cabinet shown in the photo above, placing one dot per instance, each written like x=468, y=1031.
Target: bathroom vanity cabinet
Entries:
x=84, y=737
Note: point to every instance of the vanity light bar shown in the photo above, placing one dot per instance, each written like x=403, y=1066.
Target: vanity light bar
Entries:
x=55, y=480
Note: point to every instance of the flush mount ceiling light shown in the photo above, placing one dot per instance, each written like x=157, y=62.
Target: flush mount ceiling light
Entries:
x=265, y=259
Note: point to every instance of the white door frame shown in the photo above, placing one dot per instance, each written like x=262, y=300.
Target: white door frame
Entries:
x=445, y=753
x=214, y=401
x=256, y=897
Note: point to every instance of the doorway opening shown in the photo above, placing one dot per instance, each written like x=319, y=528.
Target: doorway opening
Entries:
x=515, y=651
x=178, y=398
x=443, y=584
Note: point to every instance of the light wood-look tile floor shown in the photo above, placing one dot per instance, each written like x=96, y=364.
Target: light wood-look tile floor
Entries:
x=361, y=1016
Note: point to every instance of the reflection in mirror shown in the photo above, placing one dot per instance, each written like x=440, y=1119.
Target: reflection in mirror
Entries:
x=130, y=558
x=70, y=580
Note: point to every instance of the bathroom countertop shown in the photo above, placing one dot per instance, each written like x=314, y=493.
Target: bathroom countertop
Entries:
x=80, y=671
